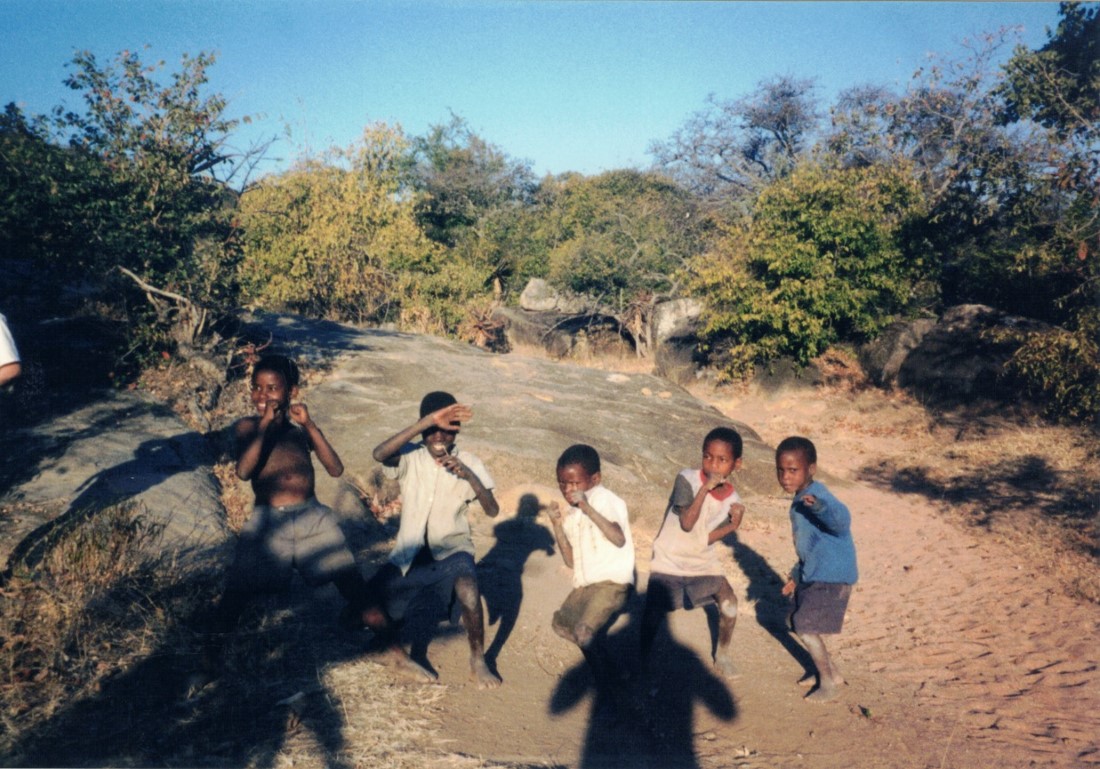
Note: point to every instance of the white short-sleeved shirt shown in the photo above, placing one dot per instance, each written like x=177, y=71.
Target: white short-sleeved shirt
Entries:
x=595, y=558
x=433, y=504
x=8, y=351
x=687, y=553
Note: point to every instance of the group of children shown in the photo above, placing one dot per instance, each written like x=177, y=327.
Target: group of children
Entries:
x=290, y=530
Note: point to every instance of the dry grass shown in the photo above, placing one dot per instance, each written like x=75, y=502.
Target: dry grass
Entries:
x=90, y=609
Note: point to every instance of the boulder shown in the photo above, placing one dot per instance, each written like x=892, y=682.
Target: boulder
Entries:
x=883, y=357
x=962, y=360
x=561, y=335
x=540, y=296
x=675, y=319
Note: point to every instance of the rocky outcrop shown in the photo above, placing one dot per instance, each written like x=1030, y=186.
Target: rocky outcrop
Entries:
x=883, y=357
x=961, y=359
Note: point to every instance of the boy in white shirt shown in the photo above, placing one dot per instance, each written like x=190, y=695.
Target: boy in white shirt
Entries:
x=593, y=536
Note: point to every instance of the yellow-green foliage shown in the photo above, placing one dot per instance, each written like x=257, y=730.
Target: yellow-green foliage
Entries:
x=1062, y=368
x=822, y=261
x=331, y=236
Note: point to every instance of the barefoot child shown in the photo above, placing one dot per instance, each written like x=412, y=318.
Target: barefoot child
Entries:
x=434, y=548
x=822, y=580
x=288, y=530
x=686, y=571
x=593, y=536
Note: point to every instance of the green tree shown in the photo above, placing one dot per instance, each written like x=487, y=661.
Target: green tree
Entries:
x=823, y=260
x=135, y=184
x=623, y=238
x=1058, y=86
x=336, y=236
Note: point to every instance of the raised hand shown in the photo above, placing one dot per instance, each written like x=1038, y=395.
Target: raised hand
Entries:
x=299, y=413
x=554, y=511
x=449, y=417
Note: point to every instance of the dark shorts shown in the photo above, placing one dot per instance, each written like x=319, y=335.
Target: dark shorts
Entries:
x=672, y=591
x=819, y=607
x=277, y=541
x=397, y=591
x=592, y=605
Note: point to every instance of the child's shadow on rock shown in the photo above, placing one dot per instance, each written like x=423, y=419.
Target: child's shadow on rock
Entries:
x=500, y=572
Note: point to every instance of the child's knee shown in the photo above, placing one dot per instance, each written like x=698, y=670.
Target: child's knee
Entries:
x=728, y=607
x=583, y=635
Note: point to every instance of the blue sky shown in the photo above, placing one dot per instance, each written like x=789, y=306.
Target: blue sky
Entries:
x=569, y=86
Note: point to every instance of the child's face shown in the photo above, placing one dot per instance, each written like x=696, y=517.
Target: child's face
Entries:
x=270, y=386
x=575, y=478
x=793, y=472
x=718, y=459
x=439, y=442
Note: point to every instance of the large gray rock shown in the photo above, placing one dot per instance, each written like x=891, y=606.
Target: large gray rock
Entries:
x=124, y=447
x=526, y=412
x=675, y=319
x=540, y=296
x=883, y=357
x=962, y=358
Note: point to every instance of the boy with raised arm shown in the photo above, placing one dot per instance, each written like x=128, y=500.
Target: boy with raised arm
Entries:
x=821, y=582
x=686, y=571
x=434, y=548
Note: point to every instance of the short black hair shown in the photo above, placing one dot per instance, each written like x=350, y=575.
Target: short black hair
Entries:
x=434, y=401
x=581, y=454
x=279, y=364
x=728, y=436
x=797, y=443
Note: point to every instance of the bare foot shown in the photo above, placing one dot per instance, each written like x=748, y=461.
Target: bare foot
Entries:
x=807, y=681
x=725, y=665
x=826, y=692
x=480, y=672
x=405, y=665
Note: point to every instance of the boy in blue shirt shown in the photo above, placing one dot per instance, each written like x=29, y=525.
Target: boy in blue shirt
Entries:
x=821, y=582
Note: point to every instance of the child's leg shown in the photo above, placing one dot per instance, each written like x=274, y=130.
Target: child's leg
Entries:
x=473, y=619
x=727, y=618
x=829, y=679
x=377, y=619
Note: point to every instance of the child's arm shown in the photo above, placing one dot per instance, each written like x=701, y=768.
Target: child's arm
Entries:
x=689, y=517
x=737, y=512
x=612, y=531
x=484, y=496
x=554, y=511
x=327, y=455
x=252, y=444
x=444, y=419
x=829, y=512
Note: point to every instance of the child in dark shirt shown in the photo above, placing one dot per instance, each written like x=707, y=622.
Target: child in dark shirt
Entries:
x=821, y=582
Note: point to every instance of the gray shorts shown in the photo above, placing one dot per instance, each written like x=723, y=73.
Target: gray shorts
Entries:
x=277, y=541
x=819, y=607
x=673, y=591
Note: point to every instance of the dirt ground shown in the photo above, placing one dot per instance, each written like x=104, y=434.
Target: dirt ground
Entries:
x=970, y=639
x=965, y=644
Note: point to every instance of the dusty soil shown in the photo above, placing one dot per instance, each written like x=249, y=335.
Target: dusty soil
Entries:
x=968, y=642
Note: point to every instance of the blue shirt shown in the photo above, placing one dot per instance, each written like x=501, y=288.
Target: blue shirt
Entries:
x=823, y=538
